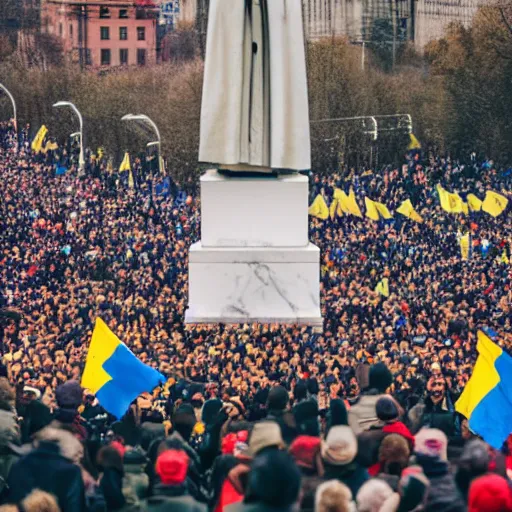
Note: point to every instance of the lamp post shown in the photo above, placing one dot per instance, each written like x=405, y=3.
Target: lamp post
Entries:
x=145, y=119
x=2, y=86
x=81, y=160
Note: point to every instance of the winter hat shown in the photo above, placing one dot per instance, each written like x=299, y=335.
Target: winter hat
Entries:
x=69, y=395
x=475, y=456
x=394, y=453
x=184, y=420
x=337, y=414
x=210, y=411
x=306, y=417
x=305, y=450
x=413, y=487
x=333, y=496
x=278, y=398
x=340, y=446
x=372, y=495
x=489, y=493
x=119, y=447
x=274, y=480
x=134, y=456
x=386, y=409
x=300, y=392
x=431, y=442
x=265, y=434
x=380, y=377
x=172, y=466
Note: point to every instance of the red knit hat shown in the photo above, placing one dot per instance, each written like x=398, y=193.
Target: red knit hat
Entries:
x=305, y=450
x=119, y=447
x=490, y=493
x=172, y=466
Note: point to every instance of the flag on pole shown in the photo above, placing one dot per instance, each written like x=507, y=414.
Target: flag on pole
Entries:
x=114, y=374
x=375, y=210
x=474, y=203
x=487, y=398
x=37, y=143
x=414, y=143
x=407, y=210
x=125, y=164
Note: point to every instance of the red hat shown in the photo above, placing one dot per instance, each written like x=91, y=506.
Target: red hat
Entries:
x=305, y=450
x=172, y=466
x=228, y=444
x=490, y=493
x=119, y=447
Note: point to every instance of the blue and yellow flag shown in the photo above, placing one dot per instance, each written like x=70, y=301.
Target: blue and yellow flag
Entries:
x=487, y=398
x=114, y=374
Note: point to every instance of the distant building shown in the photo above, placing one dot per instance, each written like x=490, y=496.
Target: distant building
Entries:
x=103, y=33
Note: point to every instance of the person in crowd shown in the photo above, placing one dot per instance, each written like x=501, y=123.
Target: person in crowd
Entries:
x=491, y=493
x=36, y=501
x=333, y=496
x=339, y=452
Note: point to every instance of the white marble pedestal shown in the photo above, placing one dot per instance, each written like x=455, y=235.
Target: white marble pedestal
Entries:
x=254, y=262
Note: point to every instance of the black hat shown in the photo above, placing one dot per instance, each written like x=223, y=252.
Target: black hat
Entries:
x=380, y=377
x=274, y=480
x=306, y=417
x=210, y=410
x=386, y=409
x=337, y=414
x=278, y=398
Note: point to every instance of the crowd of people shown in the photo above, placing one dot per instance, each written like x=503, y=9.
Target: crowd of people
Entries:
x=358, y=417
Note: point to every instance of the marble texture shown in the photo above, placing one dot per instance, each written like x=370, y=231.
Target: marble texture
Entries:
x=238, y=285
x=266, y=211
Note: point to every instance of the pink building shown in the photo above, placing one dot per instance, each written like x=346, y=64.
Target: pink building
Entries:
x=103, y=33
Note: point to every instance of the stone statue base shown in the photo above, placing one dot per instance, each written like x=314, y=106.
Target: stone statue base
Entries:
x=254, y=262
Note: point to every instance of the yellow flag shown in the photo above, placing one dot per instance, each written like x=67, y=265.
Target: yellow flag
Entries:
x=414, y=142
x=494, y=203
x=37, y=143
x=50, y=146
x=131, y=183
x=504, y=257
x=125, y=164
x=352, y=204
x=474, y=203
x=383, y=287
x=383, y=210
x=450, y=202
x=319, y=208
x=371, y=209
x=342, y=199
x=443, y=198
x=464, y=246
x=407, y=210
x=100, y=152
x=465, y=208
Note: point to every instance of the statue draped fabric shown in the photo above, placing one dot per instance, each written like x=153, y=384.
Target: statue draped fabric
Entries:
x=255, y=103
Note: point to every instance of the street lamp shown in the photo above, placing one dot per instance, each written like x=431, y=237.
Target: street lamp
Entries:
x=14, y=110
x=145, y=119
x=81, y=160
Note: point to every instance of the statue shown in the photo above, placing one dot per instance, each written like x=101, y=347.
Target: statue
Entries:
x=254, y=115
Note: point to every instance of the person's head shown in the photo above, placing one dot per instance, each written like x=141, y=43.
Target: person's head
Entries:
x=172, y=467
x=37, y=501
x=7, y=395
x=380, y=377
x=69, y=395
x=305, y=450
x=340, y=446
x=373, y=495
x=337, y=414
x=274, y=480
x=278, y=399
x=475, y=458
x=490, y=493
x=184, y=420
x=431, y=442
x=387, y=409
x=413, y=489
x=210, y=410
x=394, y=454
x=306, y=418
x=333, y=496
x=110, y=457
x=300, y=392
x=265, y=435
x=437, y=389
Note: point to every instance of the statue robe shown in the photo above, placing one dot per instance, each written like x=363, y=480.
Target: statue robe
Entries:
x=255, y=100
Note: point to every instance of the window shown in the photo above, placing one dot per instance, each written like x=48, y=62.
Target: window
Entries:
x=141, y=33
x=105, y=57
x=123, y=14
x=60, y=29
x=104, y=12
x=88, y=57
x=105, y=33
x=123, y=57
x=123, y=33
x=141, y=57
x=71, y=31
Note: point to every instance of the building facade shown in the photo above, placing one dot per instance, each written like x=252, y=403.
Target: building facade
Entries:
x=103, y=33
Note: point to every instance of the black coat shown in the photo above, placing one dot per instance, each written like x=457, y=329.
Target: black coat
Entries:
x=352, y=475
x=45, y=469
x=175, y=498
